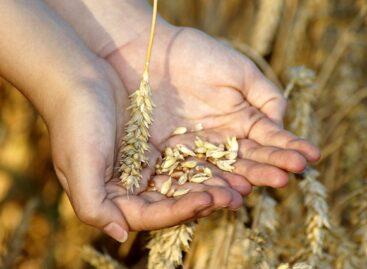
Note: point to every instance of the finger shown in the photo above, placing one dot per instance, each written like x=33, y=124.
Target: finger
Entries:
x=153, y=196
x=89, y=196
x=215, y=189
x=142, y=215
x=235, y=181
x=289, y=160
x=267, y=133
x=263, y=94
x=261, y=174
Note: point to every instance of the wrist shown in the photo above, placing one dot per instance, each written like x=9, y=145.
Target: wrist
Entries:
x=107, y=25
x=56, y=95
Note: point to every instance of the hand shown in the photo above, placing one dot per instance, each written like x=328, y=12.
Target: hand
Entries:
x=195, y=79
x=84, y=105
x=85, y=136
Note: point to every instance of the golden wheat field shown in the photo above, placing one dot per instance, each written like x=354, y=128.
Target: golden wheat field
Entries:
x=314, y=50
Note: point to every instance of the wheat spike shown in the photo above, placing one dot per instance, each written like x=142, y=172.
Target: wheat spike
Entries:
x=266, y=219
x=317, y=213
x=166, y=246
x=99, y=260
x=266, y=222
x=303, y=99
x=135, y=142
x=314, y=192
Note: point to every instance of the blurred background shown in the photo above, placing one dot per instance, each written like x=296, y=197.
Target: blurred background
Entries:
x=322, y=41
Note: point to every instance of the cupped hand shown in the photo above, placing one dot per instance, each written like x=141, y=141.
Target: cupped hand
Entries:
x=85, y=137
x=197, y=80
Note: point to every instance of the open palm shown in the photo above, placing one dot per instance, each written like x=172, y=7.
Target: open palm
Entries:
x=85, y=138
x=197, y=80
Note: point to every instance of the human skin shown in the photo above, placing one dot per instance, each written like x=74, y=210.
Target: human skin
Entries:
x=195, y=79
x=83, y=103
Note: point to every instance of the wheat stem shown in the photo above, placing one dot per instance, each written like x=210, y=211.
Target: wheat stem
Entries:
x=151, y=39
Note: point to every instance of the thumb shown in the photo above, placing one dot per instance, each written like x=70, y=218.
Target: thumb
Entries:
x=89, y=198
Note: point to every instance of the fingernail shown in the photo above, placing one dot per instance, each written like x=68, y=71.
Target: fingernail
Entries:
x=116, y=232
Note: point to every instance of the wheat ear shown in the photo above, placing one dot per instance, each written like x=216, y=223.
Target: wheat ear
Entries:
x=317, y=213
x=314, y=192
x=167, y=244
x=135, y=142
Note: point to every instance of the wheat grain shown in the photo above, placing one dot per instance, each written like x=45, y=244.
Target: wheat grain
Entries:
x=179, y=131
x=198, y=127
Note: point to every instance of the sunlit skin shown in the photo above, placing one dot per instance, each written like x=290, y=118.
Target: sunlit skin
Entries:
x=195, y=79
x=85, y=139
x=83, y=103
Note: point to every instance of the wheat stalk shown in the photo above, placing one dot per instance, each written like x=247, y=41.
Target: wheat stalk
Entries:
x=135, y=142
x=267, y=20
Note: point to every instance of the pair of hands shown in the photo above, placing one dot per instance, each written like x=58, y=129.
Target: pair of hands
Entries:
x=195, y=79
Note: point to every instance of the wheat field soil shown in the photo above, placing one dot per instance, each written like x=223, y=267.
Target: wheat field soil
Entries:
x=316, y=51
